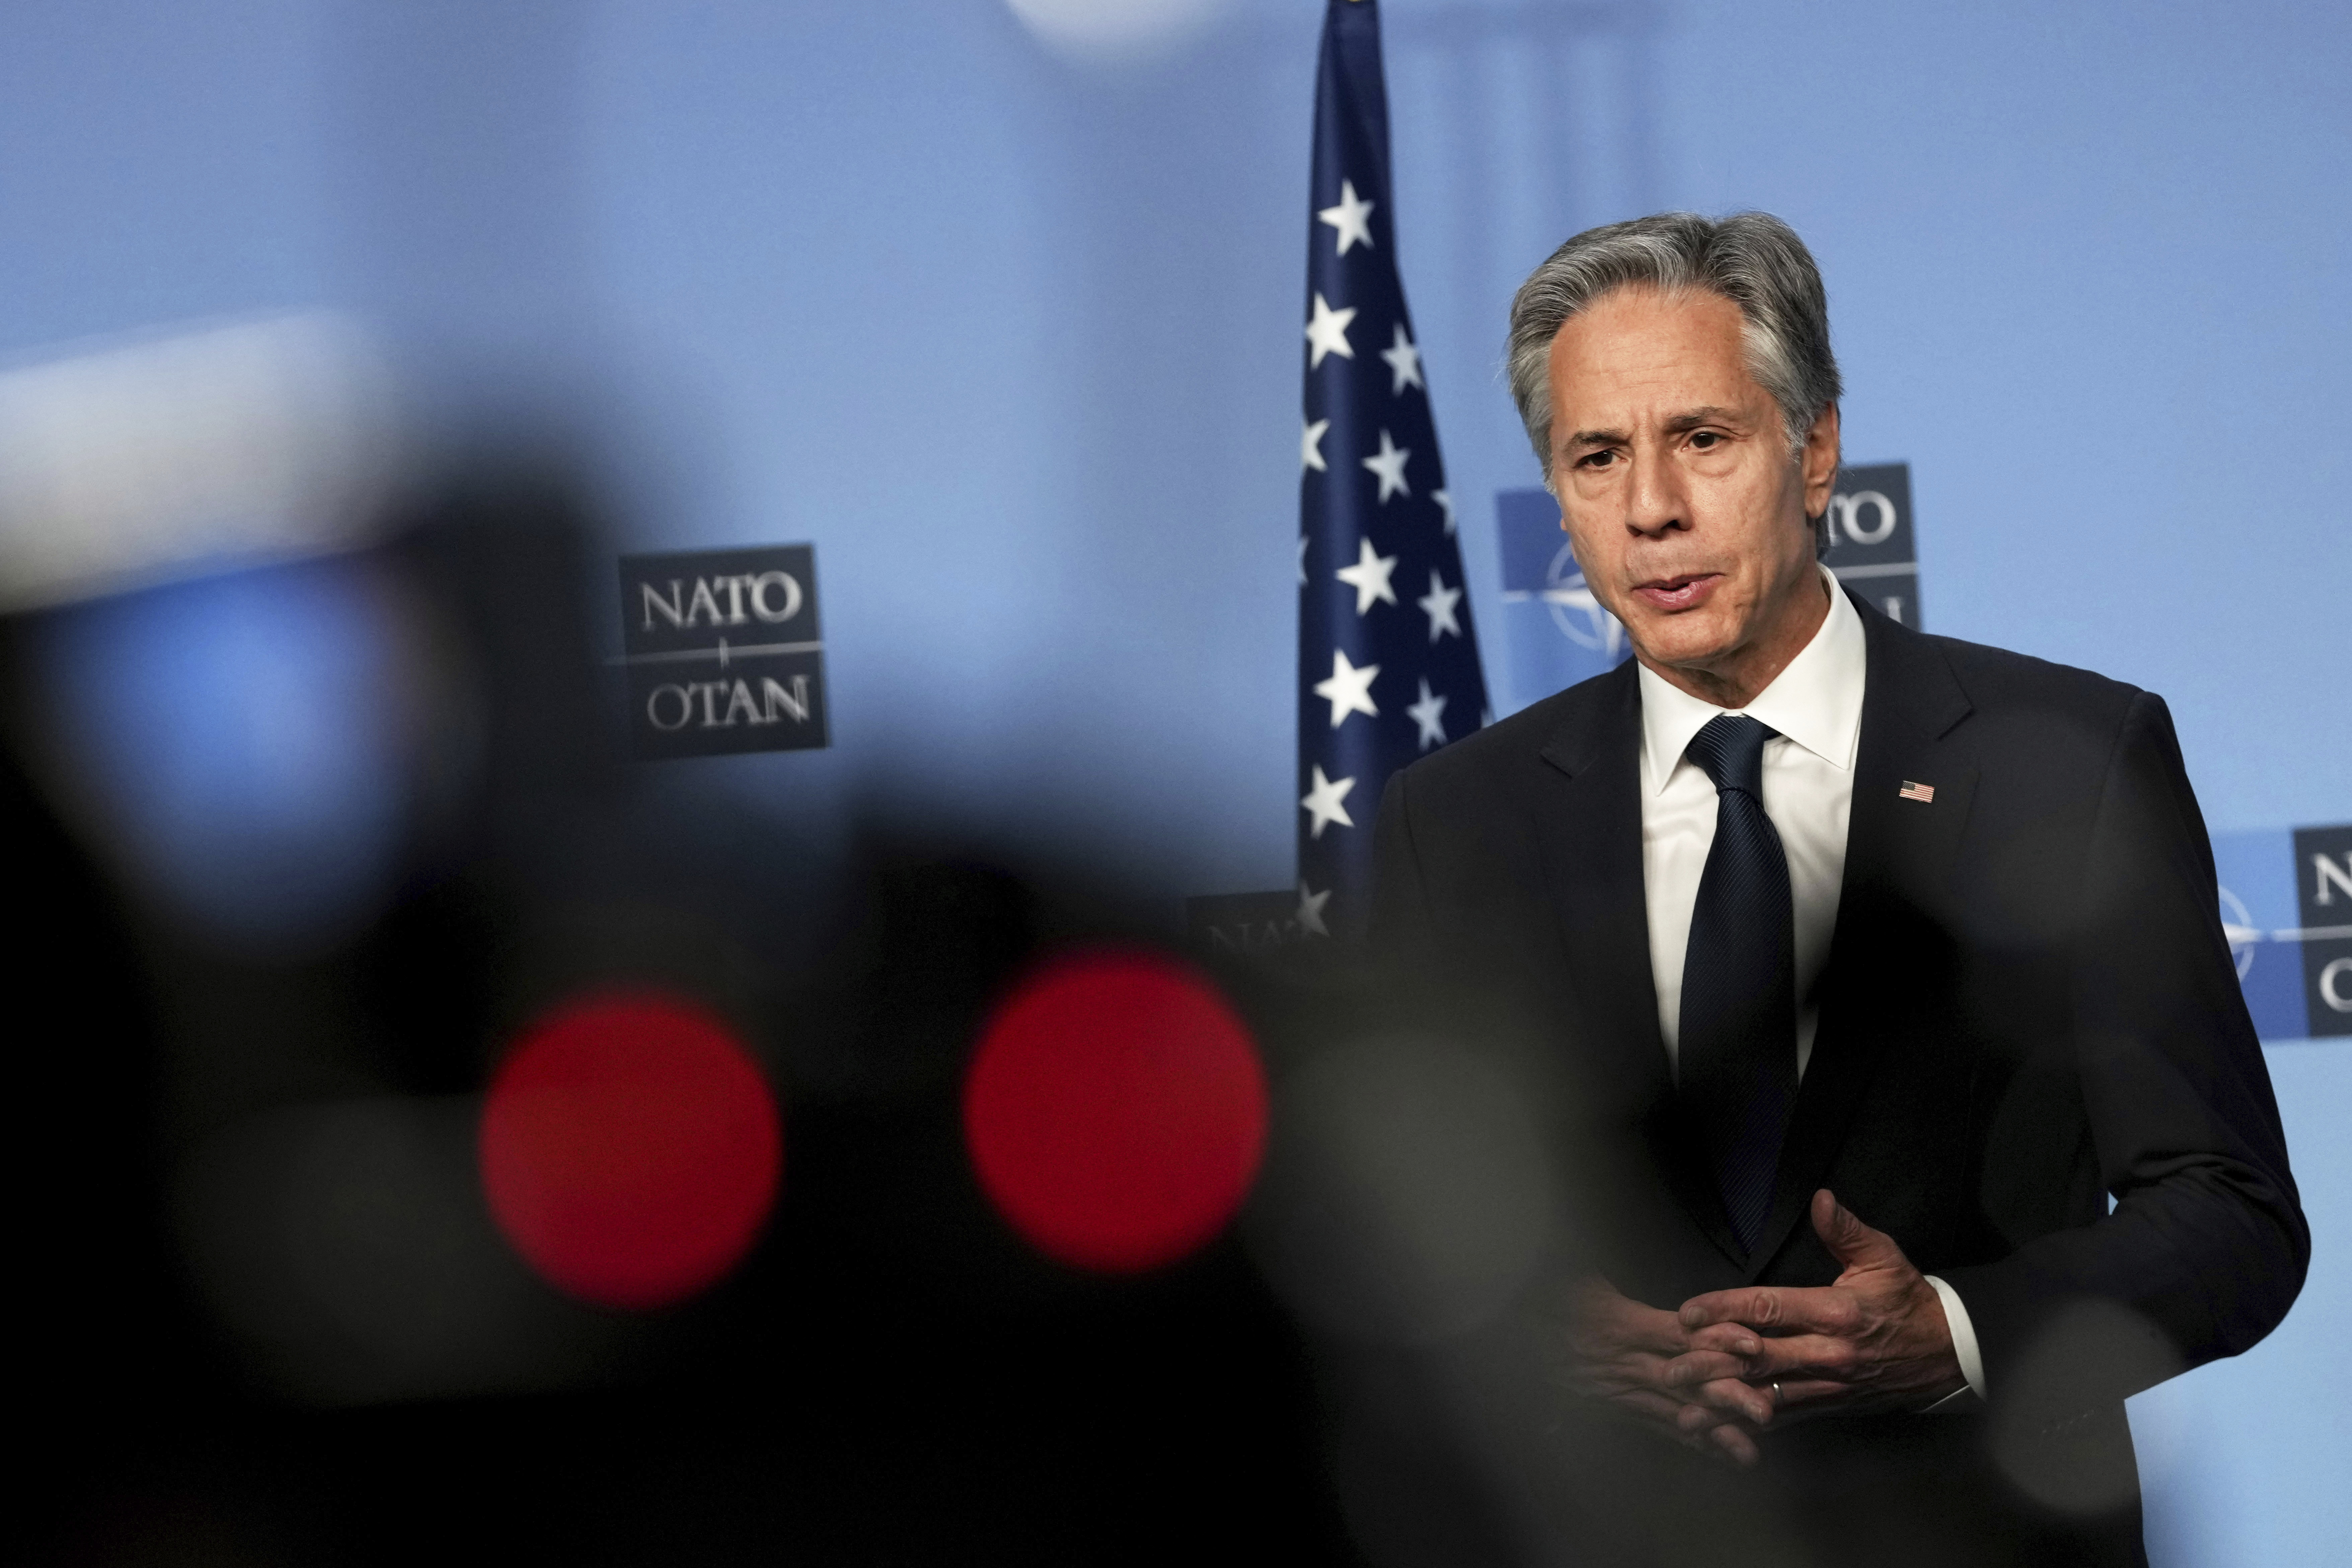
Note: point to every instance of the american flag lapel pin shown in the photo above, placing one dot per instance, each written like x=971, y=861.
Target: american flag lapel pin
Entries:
x=1924, y=794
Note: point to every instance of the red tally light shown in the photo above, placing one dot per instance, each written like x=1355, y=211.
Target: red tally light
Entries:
x=630, y=1149
x=1115, y=1110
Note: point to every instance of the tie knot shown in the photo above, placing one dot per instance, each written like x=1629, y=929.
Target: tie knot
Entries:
x=1730, y=752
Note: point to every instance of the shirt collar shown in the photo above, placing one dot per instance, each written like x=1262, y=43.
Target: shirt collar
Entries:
x=1816, y=701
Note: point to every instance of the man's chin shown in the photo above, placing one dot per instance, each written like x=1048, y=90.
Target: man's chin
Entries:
x=1690, y=642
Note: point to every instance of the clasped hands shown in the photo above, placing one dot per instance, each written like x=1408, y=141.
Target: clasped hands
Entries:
x=1731, y=1363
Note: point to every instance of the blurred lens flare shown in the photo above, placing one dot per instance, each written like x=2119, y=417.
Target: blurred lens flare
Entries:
x=1410, y=1192
x=138, y=460
x=2053, y=1427
x=1111, y=31
x=631, y=1149
x=1115, y=1110
x=239, y=742
x=344, y=1245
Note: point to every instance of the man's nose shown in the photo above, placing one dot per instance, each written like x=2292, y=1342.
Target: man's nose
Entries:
x=1655, y=503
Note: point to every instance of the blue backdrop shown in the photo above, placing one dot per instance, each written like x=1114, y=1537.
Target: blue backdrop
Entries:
x=1013, y=337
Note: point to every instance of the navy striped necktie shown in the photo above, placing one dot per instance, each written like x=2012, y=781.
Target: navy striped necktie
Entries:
x=1737, y=1053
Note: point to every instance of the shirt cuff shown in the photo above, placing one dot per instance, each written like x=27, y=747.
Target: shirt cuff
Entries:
x=1964, y=1344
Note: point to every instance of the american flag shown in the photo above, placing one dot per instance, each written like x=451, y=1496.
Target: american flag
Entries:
x=1388, y=660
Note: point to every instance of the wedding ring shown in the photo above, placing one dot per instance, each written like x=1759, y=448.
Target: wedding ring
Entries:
x=1775, y=1396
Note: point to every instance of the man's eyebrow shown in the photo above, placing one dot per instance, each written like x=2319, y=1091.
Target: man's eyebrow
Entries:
x=1596, y=438
x=1711, y=413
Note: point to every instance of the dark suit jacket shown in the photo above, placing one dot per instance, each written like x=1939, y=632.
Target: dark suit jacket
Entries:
x=2029, y=1005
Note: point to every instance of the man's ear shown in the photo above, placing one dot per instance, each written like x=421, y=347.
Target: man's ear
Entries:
x=1818, y=461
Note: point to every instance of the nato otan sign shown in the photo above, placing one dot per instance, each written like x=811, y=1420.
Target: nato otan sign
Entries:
x=2286, y=910
x=1872, y=546
x=723, y=651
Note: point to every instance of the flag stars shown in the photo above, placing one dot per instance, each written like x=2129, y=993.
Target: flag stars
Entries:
x=1406, y=661
x=1311, y=904
x=1438, y=605
x=1404, y=363
x=1351, y=217
x=1388, y=464
x=1324, y=803
x=1349, y=690
x=1327, y=332
x=1430, y=714
x=1369, y=577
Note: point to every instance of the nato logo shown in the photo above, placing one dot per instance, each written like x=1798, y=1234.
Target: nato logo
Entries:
x=2286, y=913
x=1574, y=609
x=723, y=651
x=1555, y=632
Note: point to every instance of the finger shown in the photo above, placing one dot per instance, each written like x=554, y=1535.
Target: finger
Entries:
x=1736, y=1445
x=1697, y=1424
x=1732, y=1397
x=1697, y=1419
x=1651, y=1329
x=1727, y=1339
x=1796, y=1393
x=1854, y=1243
x=1756, y=1404
x=1688, y=1423
x=1724, y=1390
x=1682, y=1418
x=1712, y=1433
x=1601, y=1311
x=1608, y=1321
x=1766, y=1309
x=1829, y=1357
x=1701, y=1367
x=1653, y=1407
x=1633, y=1369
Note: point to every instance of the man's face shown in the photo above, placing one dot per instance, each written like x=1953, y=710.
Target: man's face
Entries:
x=1676, y=489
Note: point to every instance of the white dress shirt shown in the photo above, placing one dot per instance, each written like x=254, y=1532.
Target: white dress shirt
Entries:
x=1815, y=704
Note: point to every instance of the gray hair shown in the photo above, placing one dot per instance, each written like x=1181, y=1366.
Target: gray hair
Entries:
x=1752, y=259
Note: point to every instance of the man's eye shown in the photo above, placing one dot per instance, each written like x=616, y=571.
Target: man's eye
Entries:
x=1595, y=459
x=1706, y=440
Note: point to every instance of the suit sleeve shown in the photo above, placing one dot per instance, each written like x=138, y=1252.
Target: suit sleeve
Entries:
x=2206, y=1246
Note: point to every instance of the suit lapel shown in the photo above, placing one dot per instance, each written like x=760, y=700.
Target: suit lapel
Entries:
x=1899, y=858
x=1589, y=823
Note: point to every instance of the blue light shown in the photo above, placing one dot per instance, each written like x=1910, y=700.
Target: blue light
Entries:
x=240, y=742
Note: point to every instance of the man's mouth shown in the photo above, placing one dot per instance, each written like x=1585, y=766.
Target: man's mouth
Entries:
x=1685, y=592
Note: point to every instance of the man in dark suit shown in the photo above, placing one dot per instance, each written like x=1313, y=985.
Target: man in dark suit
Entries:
x=1875, y=964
